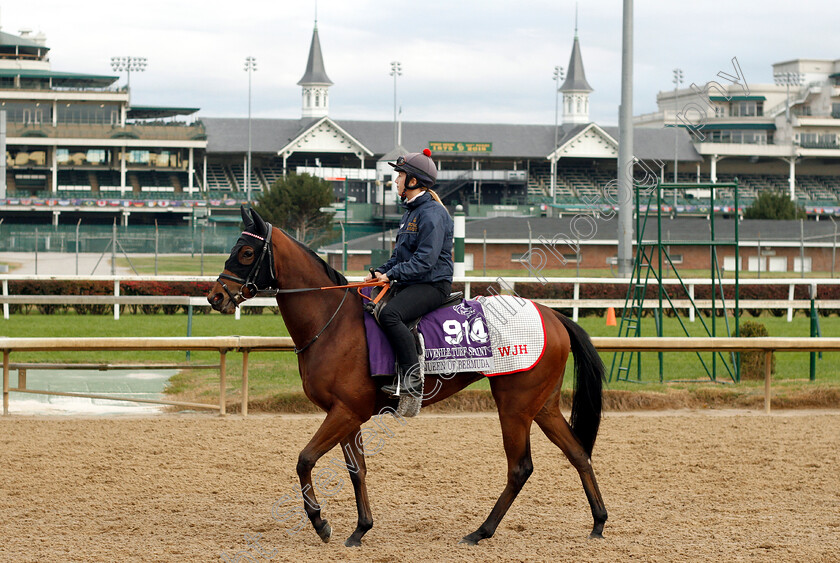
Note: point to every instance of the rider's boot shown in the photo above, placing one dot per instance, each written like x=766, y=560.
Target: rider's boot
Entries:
x=408, y=380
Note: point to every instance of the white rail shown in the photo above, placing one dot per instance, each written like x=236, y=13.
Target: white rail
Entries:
x=575, y=304
x=247, y=344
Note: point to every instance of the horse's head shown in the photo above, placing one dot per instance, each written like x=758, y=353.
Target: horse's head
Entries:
x=250, y=267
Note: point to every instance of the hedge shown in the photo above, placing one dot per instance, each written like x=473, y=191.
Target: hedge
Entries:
x=529, y=290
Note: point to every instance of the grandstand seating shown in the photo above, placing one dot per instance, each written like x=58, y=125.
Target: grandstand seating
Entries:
x=271, y=174
x=218, y=178
x=109, y=180
x=574, y=183
x=238, y=171
x=154, y=181
x=73, y=180
x=539, y=180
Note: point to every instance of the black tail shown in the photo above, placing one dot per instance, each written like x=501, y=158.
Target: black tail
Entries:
x=589, y=380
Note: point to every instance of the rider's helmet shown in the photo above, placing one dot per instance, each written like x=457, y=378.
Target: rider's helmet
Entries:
x=418, y=165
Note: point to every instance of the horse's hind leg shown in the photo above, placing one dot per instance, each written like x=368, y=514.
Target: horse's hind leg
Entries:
x=552, y=423
x=517, y=441
x=336, y=426
x=354, y=456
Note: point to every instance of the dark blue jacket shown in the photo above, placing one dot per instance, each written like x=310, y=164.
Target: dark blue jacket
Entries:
x=423, y=252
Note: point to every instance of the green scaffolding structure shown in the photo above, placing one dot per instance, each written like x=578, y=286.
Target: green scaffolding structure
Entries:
x=648, y=269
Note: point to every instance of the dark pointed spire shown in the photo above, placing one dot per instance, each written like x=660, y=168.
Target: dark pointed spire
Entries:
x=315, y=73
x=575, y=78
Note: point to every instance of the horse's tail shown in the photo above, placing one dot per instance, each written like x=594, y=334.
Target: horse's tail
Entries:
x=589, y=380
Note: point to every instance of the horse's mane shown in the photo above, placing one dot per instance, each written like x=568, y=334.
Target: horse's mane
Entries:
x=335, y=276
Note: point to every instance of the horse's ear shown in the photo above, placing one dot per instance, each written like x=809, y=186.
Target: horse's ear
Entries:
x=259, y=224
x=246, y=218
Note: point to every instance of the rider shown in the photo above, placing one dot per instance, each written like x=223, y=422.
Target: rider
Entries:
x=420, y=266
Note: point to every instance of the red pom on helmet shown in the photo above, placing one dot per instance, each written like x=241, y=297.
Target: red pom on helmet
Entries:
x=427, y=152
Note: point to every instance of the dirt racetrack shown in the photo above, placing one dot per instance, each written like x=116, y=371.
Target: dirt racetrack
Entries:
x=679, y=486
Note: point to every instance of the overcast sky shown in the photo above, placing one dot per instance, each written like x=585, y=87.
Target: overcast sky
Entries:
x=487, y=61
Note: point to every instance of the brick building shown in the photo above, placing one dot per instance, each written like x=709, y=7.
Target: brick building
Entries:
x=504, y=243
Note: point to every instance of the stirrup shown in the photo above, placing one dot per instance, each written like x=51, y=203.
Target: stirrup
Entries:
x=402, y=380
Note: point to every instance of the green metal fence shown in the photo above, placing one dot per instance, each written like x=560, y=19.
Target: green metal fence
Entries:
x=132, y=239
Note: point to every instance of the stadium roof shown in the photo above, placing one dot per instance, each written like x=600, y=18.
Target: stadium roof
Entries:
x=156, y=112
x=9, y=40
x=230, y=135
x=62, y=79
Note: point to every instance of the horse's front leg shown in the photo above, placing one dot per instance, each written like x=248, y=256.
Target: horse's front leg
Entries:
x=354, y=456
x=336, y=426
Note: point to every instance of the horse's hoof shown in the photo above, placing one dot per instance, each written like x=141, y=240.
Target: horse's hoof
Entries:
x=468, y=540
x=352, y=542
x=325, y=532
x=596, y=535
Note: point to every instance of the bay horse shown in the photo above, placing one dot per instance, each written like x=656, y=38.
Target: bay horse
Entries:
x=328, y=330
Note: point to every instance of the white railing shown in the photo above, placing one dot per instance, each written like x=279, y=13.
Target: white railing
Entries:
x=247, y=344
x=576, y=303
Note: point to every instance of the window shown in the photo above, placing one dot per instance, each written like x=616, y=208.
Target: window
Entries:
x=138, y=157
x=746, y=109
x=95, y=156
x=738, y=136
x=317, y=100
x=818, y=140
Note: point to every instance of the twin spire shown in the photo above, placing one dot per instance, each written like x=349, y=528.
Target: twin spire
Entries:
x=315, y=84
x=575, y=88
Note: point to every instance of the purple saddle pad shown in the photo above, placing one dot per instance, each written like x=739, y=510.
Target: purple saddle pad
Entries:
x=456, y=339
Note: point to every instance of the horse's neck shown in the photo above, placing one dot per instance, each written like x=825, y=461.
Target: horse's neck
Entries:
x=304, y=313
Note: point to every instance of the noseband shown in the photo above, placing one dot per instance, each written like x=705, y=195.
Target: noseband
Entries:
x=250, y=282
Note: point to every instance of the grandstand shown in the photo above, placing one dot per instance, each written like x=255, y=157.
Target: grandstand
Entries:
x=65, y=153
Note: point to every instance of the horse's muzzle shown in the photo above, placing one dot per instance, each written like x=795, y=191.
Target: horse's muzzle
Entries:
x=219, y=302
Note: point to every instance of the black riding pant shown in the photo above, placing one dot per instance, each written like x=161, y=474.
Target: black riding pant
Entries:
x=408, y=303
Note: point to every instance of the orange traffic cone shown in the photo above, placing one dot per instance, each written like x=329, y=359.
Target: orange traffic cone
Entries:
x=610, y=317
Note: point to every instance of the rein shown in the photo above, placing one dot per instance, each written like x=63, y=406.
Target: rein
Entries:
x=385, y=286
x=249, y=284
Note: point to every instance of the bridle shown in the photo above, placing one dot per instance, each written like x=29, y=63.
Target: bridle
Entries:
x=249, y=284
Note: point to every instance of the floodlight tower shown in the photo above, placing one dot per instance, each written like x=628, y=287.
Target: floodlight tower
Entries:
x=250, y=67
x=678, y=80
x=396, y=70
x=788, y=79
x=128, y=64
x=559, y=74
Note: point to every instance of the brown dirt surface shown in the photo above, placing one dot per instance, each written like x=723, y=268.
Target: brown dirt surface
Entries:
x=687, y=485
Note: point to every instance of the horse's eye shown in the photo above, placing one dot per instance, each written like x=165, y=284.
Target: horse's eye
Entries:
x=246, y=256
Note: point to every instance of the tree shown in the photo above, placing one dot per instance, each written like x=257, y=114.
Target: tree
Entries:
x=774, y=205
x=293, y=203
